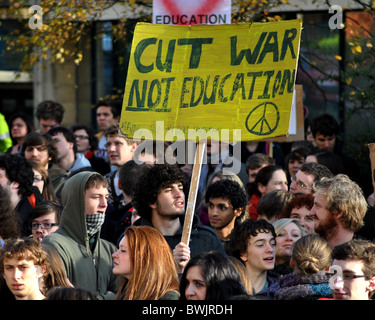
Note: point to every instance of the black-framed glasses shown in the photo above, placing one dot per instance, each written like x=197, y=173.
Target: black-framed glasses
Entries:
x=345, y=276
x=300, y=184
x=46, y=225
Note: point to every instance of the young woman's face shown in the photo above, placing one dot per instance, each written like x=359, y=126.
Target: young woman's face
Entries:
x=278, y=181
x=38, y=181
x=285, y=240
x=18, y=129
x=121, y=260
x=196, y=287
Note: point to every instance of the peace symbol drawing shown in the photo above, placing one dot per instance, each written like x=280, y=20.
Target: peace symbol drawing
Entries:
x=263, y=119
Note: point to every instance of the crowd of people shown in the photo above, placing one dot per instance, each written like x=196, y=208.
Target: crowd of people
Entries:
x=98, y=216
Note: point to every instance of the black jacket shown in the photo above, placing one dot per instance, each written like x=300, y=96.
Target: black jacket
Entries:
x=115, y=223
x=202, y=238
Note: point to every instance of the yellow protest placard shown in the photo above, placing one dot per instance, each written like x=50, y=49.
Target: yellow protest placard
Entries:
x=237, y=80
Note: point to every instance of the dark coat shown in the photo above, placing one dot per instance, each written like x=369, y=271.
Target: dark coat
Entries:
x=202, y=238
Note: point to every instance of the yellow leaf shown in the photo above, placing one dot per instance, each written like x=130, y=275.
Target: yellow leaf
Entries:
x=358, y=49
x=337, y=57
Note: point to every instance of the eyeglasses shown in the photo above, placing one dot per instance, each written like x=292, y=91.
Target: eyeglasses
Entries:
x=37, y=179
x=79, y=137
x=300, y=184
x=345, y=276
x=45, y=225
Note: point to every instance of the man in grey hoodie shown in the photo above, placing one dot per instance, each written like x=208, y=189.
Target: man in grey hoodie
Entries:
x=87, y=258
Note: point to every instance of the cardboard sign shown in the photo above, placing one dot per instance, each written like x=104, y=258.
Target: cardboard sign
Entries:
x=296, y=130
x=182, y=12
x=234, y=81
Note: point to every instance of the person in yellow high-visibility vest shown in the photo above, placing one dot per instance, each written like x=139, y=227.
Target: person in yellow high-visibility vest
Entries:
x=5, y=139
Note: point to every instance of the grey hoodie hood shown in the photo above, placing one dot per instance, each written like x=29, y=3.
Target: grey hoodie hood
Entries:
x=73, y=218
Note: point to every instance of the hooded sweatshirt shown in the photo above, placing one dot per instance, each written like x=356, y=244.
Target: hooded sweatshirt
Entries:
x=90, y=270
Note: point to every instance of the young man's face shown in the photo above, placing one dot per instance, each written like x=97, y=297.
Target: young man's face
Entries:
x=325, y=221
x=260, y=253
x=170, y=202
x=22, y=277
x=46, y=124
x=104, y=117
x=63, y=147
x=221, y=213
x=346, y=288
x=325, y=142
x=5, y=183
x=119, y=151
x=96, y=200
x=38, y=154
x=44, y=225
x=303, y=183
x=252, y=173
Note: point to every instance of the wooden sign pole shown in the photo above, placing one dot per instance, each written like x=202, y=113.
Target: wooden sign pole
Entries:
x=193, y=192
x=371, y=147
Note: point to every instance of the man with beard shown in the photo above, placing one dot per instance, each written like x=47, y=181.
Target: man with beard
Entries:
x=339, y=209
x=159, y=198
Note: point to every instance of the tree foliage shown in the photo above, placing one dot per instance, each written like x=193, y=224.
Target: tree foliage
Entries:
x=67, y=23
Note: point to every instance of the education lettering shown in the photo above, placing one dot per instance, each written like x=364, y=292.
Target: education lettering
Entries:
x=218, y=71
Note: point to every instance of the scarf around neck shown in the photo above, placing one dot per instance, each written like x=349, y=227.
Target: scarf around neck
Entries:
x=94, y=223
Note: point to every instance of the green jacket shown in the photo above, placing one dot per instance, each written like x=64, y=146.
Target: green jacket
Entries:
x=5, y=139
x=85, y=269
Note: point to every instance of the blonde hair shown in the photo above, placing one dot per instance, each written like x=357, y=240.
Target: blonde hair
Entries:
x=280, y=224
x=154, y=268
x=343, y=195
x=311, y=254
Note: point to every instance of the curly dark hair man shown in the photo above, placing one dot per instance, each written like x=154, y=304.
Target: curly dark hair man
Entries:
x=159, y=199
x=17, y=177
x=227, y=189
x=18, y=169
x=226, y=202
x=150, y=184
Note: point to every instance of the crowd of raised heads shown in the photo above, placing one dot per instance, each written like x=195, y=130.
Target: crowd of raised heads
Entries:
x=91, y=214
